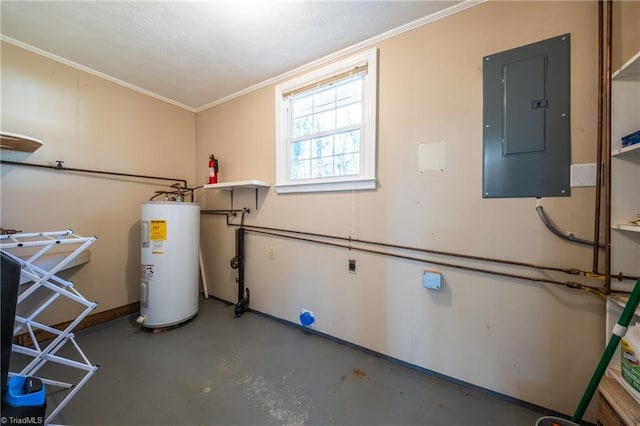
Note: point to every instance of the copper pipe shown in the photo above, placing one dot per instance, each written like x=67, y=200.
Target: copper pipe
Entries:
x=421, y=250
x=607, y=156
x=569, y=284
x=59, y=166
x=596, y=228
x=283, y=232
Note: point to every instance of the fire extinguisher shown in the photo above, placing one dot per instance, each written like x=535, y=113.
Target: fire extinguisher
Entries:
x=213, y=169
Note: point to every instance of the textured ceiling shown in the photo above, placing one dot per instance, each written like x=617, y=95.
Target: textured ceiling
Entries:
x=194, y=54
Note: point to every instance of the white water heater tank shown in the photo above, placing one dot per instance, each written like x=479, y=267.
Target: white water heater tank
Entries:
x=170, y=243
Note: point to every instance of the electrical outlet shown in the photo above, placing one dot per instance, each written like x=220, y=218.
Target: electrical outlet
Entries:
x=272, y=252
x=352, y=266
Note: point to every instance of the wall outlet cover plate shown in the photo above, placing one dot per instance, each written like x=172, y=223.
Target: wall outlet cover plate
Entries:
x=432, y=280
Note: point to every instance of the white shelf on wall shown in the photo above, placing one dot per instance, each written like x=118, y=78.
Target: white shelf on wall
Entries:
x=631, y=152
x=625, y=171
x=243, y=184
x=230, y=186
x=16, y=142
x=615, y=306
x=625, y=200
x=625, y=409
x=621, y=301
x=630, y=70
x=625, y=227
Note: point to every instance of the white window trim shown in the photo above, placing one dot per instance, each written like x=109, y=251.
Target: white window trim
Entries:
x=367, y=177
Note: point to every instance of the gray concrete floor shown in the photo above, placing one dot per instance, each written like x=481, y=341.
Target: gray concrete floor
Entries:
x=253, y=370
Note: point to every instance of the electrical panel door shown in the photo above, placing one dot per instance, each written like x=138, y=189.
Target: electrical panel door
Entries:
x=526, y=121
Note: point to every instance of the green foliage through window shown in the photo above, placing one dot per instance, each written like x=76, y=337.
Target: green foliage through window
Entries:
x=326, y=127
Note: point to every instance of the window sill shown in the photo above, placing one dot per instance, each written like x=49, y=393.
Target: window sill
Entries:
x=357, y=184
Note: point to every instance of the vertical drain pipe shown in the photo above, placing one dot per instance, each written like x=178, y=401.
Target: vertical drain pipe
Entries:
x=596, y=228
x=238, y=261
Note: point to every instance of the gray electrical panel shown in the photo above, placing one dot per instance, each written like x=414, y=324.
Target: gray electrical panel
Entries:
x=526, y=121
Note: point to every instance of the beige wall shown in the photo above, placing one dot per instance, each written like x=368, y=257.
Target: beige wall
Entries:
x=625, y=32
x=91, y=123
x=535, y=342
x=538, y=343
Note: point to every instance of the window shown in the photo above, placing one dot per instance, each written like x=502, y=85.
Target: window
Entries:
x=326, y=127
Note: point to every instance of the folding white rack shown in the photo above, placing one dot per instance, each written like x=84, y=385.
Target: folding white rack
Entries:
x=46, y=351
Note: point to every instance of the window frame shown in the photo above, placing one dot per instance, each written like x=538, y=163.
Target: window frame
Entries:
x=366, y=179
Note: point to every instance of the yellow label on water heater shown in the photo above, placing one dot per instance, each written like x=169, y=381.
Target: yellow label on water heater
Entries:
x=158, y=230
